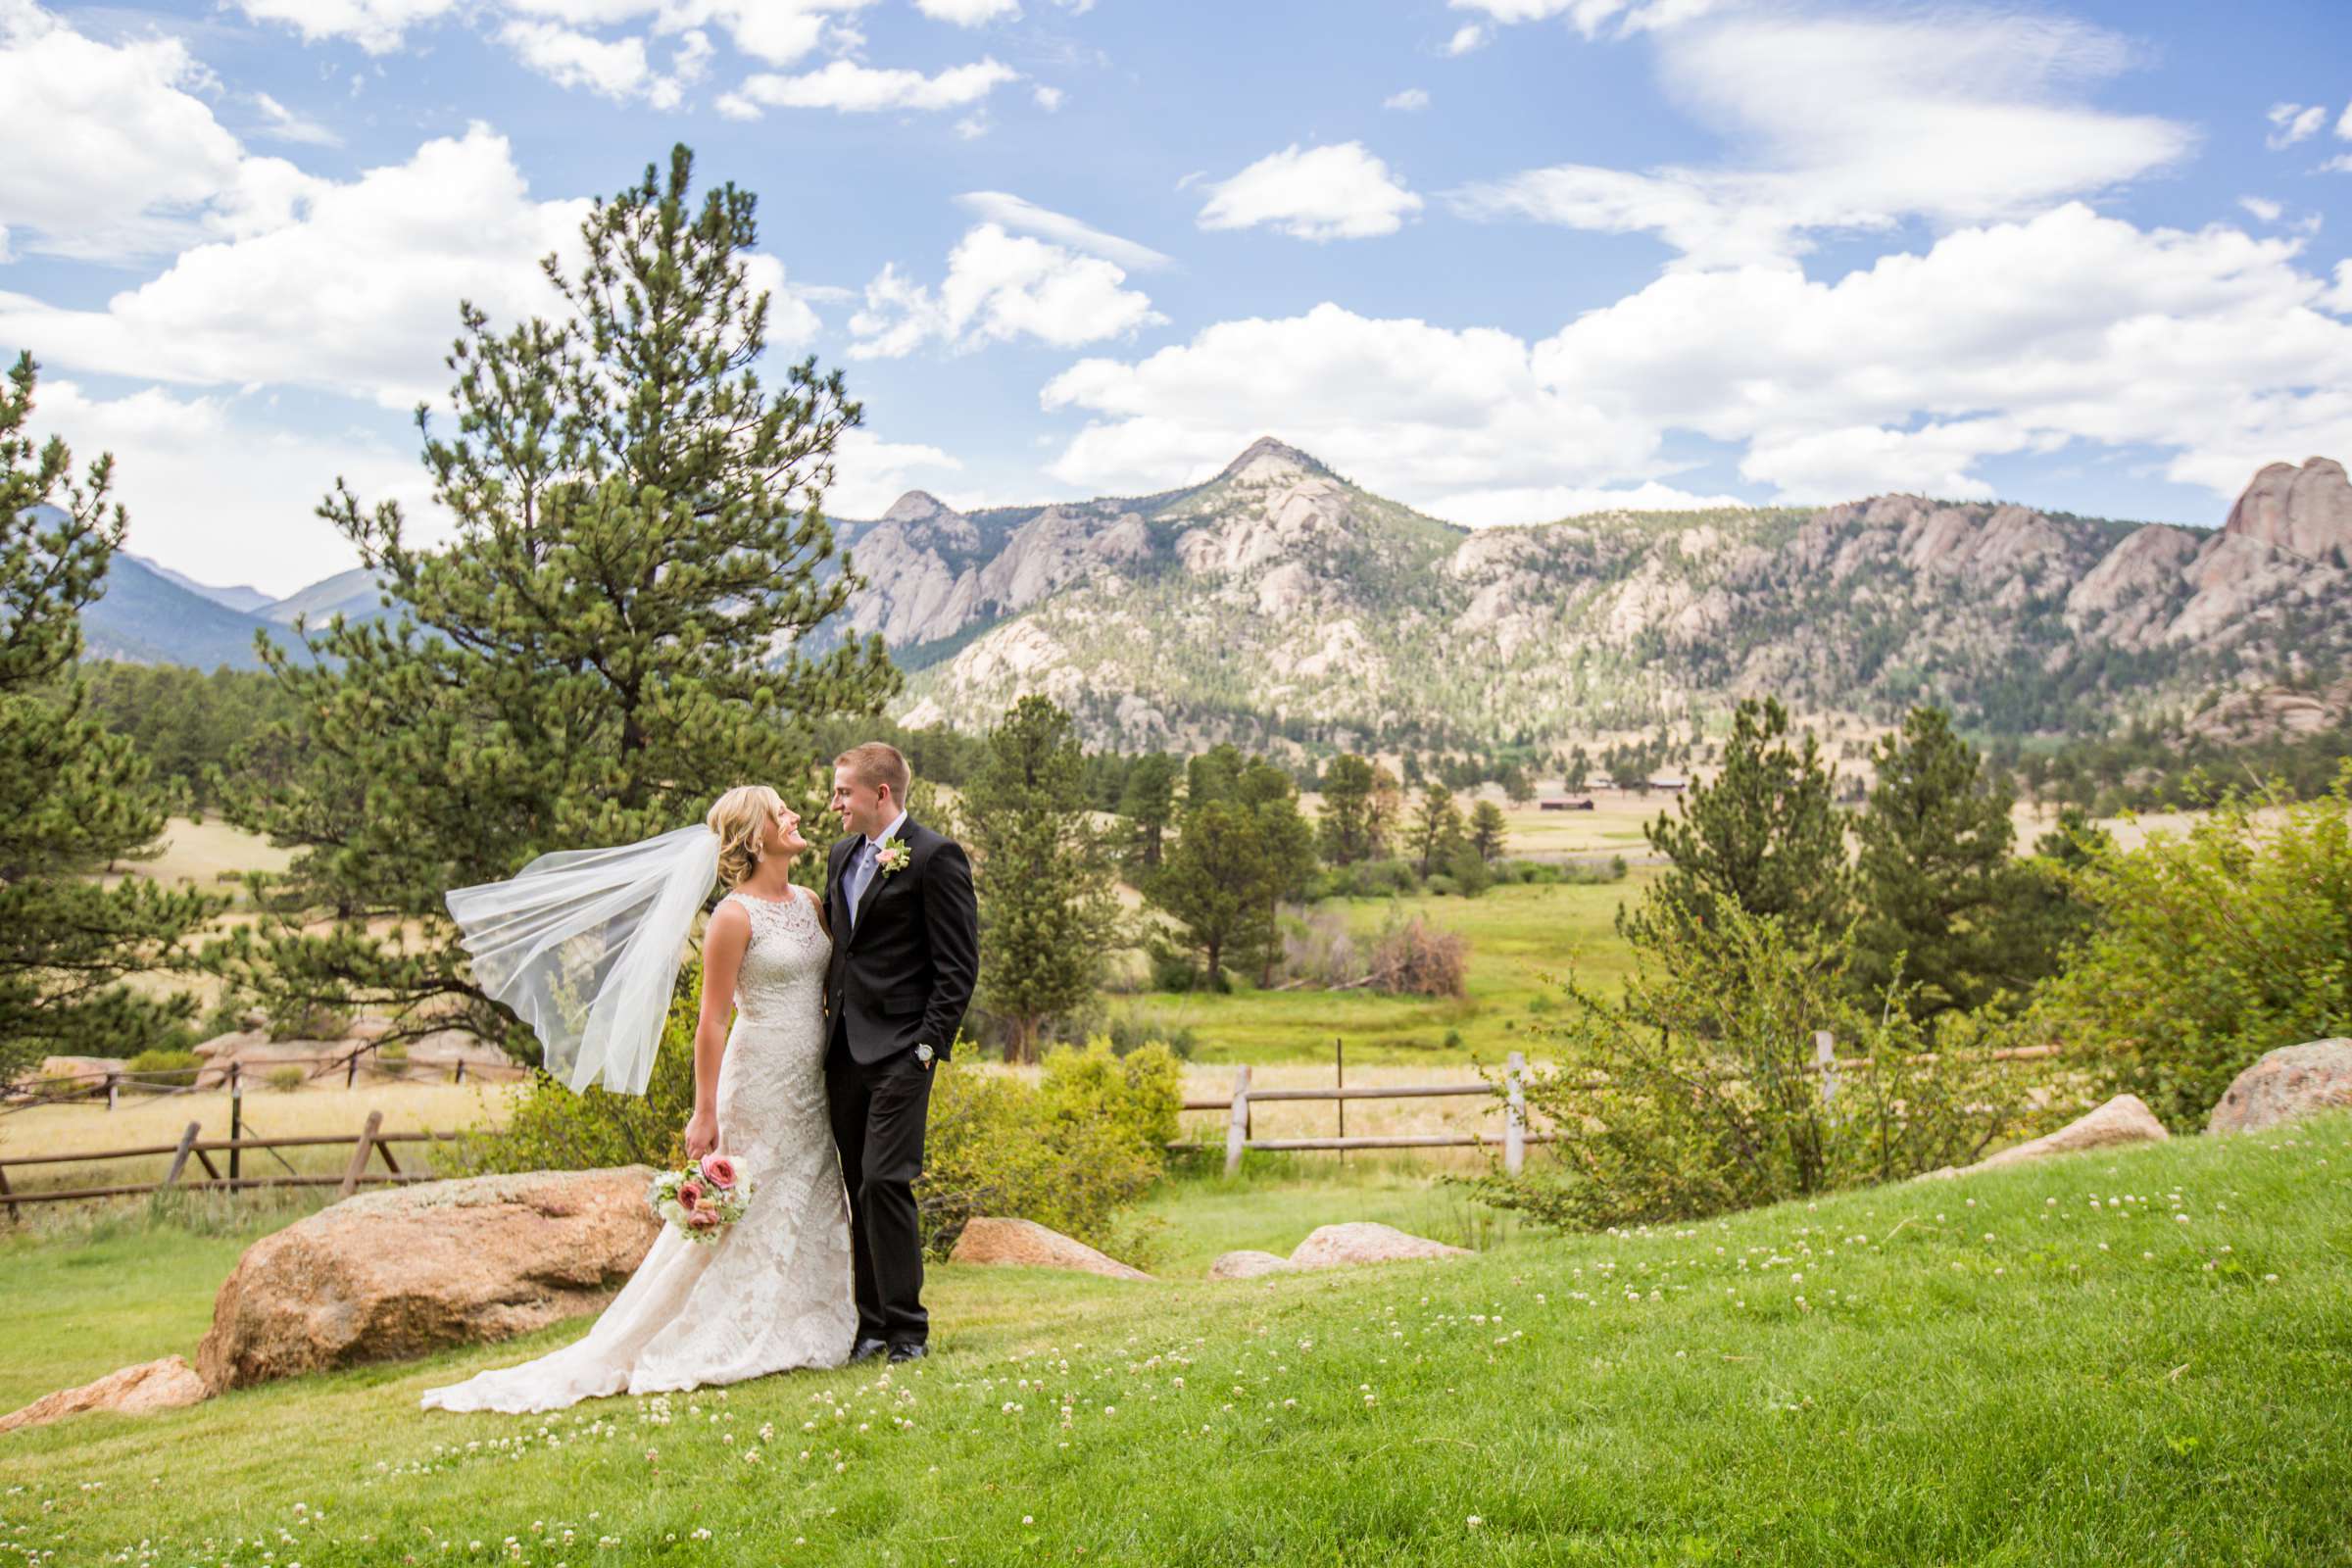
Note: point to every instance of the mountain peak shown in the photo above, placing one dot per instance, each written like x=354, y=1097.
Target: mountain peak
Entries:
x=1267, y=459
x=2305, y=512
x=916, y=505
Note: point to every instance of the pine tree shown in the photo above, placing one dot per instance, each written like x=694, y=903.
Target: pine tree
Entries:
x=1344, y=832
x=74, y=799
x=1242, y=849
x=1488, y=830
x=1763, y=834
x=613, y=638
x=1437, y=828
x=1148, y=801
x=1047, y=914
x=1942, y=895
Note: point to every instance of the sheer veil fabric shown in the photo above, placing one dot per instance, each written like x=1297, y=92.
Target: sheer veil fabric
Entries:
x=585, y=945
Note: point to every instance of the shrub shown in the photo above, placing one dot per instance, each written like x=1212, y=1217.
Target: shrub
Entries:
x=1133, y=1030
x=1072, y=1152
x=286, y=1079
x=2208, y=950
x=1470, y=872
x=1691, y=1095
x=1366, y=879
x=311, y=1023
x=171, y=1066
x=1173, y=969
x=1416, y=958
x=1317, y=949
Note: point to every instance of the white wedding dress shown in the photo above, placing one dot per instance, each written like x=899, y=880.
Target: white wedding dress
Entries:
x=774, y=1292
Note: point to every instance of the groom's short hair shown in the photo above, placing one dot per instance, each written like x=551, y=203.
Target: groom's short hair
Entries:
x=876, y=763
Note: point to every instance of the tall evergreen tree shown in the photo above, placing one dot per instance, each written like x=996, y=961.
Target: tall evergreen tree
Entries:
x=1763, y=834
x=1488, y=830
x=1942, y=893
x=1043, y=876
x=1242, y=848
x=1344, y=832
x=1148, y=801
x=612, y=639
x=74, y=799
x=1437, y=828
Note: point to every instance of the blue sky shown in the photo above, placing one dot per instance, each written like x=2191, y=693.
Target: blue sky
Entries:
x=1505, y=259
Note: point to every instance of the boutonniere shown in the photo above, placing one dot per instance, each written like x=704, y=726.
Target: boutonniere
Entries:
x=891, y=856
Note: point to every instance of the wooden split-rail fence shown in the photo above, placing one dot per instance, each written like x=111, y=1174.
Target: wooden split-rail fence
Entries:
x=369, y=1143
x=112, y=1083
x=1515, y=1134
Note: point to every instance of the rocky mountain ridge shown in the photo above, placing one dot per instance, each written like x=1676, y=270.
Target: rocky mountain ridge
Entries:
x=1280, y=600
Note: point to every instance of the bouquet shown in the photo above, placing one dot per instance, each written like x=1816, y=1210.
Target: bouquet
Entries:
x=703, y=1198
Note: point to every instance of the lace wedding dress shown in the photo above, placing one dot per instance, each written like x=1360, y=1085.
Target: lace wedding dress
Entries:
x=774, y=1292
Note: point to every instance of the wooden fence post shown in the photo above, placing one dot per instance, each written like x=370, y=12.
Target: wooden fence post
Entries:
x=179, y=1155
x=114, y=1087
x=236, y=1117
x=360, y=1153
x=1514, y=1127
x=1824, y=1059
x=11, y=1203
x=351, y=1068
x=1236, y=1127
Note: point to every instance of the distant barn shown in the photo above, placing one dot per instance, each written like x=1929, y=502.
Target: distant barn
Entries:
x=1585, y=805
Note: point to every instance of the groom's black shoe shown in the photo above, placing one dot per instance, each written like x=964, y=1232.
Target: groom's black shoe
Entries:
x=912, y=1351
x=867, y=1349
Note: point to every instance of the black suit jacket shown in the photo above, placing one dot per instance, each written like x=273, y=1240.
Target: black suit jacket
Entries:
x=904, y=974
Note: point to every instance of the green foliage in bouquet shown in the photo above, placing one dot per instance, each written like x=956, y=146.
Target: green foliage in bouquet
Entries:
x=1692, y=1095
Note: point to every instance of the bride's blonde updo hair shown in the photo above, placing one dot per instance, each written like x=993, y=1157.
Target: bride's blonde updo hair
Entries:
x=739, y=819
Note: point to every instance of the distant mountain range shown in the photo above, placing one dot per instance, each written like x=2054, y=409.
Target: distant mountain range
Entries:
x=1279, y=600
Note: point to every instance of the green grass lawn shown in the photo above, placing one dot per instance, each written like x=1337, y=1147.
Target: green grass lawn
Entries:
x=1992, y=1370
x=1521, y=938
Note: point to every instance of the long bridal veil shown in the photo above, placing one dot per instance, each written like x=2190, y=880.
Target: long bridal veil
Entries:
x=584, y=945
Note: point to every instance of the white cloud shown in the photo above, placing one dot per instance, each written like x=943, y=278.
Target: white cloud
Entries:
x=1590, y=17
x=359, y=296
x=2212, y=348
x=1024, y=217
x=970, y=13
x=1048, y=98
x=2343, y=125
x=127, y=158
x=1322, y=193
x=1000, y=287
x=869, y=473
x=1410, y=408
x=1953, y=116
x=617, y=69
x=216, y=489
x=2294, y=123
x=2263, y=208
x=377, y=25
x=284, y=124
x=1466, y=39
x=852, y=88
x=974, y=125
x=1412, y=98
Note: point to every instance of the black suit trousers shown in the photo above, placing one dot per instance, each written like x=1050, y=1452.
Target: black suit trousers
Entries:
x=879, y=1111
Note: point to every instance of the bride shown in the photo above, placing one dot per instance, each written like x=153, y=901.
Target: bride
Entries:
x=584, y=946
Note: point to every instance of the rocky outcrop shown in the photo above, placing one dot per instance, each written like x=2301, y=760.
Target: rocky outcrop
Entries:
x=1025, y=1243
x=1365, y=1241
x=2286, y=1085
x=2124, y=1119
x=1246, y=1264
x=165, y=1385
x=397, y=1273
x=2305, y=512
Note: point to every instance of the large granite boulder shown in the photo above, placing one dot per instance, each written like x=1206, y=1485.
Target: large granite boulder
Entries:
x=1246, y=1265
x=2287, y=1084
x=2124, y=1119
x=164, y=1385
x=406, y=1270
x=1029, y=1245
x=1365, y=1241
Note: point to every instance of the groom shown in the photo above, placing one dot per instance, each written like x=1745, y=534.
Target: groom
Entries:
x=905, y=954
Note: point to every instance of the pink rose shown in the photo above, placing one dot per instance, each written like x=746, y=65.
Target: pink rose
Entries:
x=689, y=1193
x=702, y=1220
x=719, y=1170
